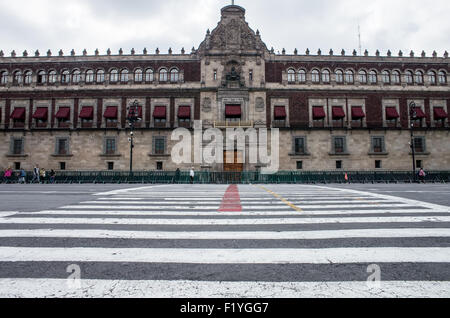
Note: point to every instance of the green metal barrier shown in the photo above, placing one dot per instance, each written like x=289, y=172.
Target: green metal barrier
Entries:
x=248, y=177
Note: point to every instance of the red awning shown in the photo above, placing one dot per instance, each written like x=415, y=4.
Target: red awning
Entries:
x=110, y=112
x=440, y=113
x=139, y=111
x=18, y=113
x=160, y=112
x=420, y=113
x=87, y=112
x=63, y=113
x=41, y=113
x=338, y=112
x=184, y=112
x=233, y=110
x=358, y=112
x=392, y=113
x=318, y=112
x=280, y=112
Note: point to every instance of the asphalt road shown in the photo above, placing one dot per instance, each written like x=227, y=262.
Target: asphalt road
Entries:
x=220, y=241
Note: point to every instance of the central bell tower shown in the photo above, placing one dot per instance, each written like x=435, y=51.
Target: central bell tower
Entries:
x=233, y=75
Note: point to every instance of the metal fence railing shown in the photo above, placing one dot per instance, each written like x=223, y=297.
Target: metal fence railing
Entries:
x=253, y=177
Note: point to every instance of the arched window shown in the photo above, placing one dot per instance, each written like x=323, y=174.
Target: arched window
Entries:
x=362, y=77
x=18, y=78
x=339, y=76
x=42, y=77
x=302, y=76
x=373, y=77
x=174, y=75
x=386, y=77
x=114, y=76
x=325, y=76
x=76, y=76
x=315, y=76
x=396, y=77
x=138, y=75
x=163, y=75
x=409, y=77
x=442, y=77
x=291, y=76
x=100, y=76
x=149, y=75
x=65, y=77
x=432, y=77
x=28, y=77
x=349, y=77
x=52, y=77
x=89, y=76
x=4, y=78
x=124, y=76
x=419, y=77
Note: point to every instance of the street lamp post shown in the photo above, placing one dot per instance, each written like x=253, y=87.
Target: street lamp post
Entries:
x=133, y=117
x=413, y=117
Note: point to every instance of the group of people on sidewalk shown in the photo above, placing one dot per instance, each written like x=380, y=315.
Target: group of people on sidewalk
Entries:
x=39, y=175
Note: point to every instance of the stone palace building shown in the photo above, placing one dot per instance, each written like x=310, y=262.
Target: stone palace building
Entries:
x=335, y=110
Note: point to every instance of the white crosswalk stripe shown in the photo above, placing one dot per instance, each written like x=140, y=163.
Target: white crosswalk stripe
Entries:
x=343, y=231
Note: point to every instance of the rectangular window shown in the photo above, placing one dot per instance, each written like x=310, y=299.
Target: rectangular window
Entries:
x=250, y=75
x=62, y=146
x=159, y=145
x=378, y=164
x=17, y=146
x=299, y=145
x=62, y=166
x=419, y=164
x=159, y=166
x=299, y=165
x=419, y=144
x=110, y=165
x=339, y=145
x=110, y=146
x=377, y=145
x=17, y=165
x=215, y=75
x=338, y=164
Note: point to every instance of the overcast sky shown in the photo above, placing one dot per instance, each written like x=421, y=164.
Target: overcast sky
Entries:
x=385, y=24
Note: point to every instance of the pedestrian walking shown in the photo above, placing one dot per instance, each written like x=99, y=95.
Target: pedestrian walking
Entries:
x=43, y=175
x=192, y=175
x=52, y=176
x=22, y=176
x=36, y=175
x=176, y=179
x=8, y=175
x=422, y=175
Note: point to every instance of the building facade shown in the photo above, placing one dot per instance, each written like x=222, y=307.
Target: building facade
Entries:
x=334, y=110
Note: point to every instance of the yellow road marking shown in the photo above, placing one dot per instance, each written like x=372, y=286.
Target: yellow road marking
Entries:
x=296, y=208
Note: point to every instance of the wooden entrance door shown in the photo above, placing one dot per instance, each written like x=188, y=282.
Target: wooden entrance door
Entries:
x=235, y=166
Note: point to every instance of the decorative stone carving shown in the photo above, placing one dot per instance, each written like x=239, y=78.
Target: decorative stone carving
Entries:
x=37, y=54
x=61, y=53
x=260, y=105
x=206, y=105
x=25, y=53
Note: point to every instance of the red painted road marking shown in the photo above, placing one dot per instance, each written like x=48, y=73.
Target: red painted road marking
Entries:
x=231, y=200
